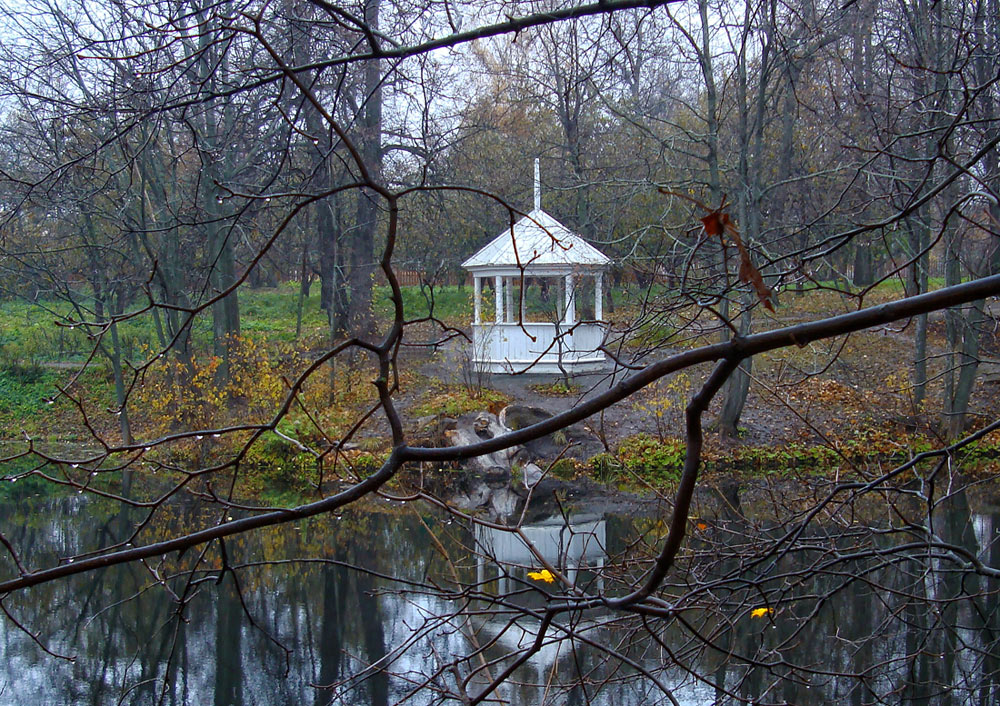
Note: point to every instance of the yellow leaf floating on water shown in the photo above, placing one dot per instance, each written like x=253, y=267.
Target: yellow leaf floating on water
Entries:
x=543, y=575
x=760, y=612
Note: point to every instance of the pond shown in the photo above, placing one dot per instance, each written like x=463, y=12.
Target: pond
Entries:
x=381, y=605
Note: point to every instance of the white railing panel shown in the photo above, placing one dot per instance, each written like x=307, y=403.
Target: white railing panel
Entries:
x=513, y=344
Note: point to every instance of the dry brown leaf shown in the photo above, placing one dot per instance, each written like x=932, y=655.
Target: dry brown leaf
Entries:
x=717, y=222
x=751, y=275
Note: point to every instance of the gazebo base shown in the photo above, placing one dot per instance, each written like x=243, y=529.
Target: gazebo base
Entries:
x=545, y=366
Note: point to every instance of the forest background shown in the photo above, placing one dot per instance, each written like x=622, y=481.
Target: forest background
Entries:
x=803, y=193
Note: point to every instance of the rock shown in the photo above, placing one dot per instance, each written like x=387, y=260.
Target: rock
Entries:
x=519, y=416
x=474, y=428
x=490, y=492
x=431, y=430
x=482, y=424
x=530, y=475
x=487, y=482
x=574, y=441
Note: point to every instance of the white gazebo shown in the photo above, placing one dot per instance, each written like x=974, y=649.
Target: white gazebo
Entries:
x=548, y=309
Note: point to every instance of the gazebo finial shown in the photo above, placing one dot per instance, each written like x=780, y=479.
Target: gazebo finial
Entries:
x=538, y=188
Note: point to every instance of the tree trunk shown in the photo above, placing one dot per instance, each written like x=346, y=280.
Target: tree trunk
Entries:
x=737, y=387
x=864, y=266
x=750, y=135
x=361, y=278
x=305, y=284
x=228, y=644
x=216, y=158
x=964, y=325
x=916, y=283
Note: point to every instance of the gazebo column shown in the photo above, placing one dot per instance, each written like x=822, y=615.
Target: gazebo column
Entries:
x=498, y=291
x=477, y=300
x=570, y=317
x=599, y=296
x=508, y=287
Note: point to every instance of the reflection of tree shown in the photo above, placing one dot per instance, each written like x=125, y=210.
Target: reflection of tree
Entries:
x=228, y=643
x=989, y=610
x=372, y=628
x=331, y=644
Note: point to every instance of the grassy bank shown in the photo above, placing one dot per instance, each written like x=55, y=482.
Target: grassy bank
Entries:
x=835, y=407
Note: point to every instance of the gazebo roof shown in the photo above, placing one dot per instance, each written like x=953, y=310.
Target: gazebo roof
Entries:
x=541, y=241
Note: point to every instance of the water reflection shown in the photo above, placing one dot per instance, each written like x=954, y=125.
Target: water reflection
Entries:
x=320, y=623
x=568, y=544
x=573, y=547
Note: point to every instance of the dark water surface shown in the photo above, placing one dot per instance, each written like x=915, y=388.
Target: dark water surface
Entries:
x=283, y=629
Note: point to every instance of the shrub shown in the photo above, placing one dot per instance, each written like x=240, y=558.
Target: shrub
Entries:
x=173, y=396
x=564, y=468
x=664, y=402
x=605, y=467
x=25, y=389
x=26, y=487
x=453, y=401
x=274, y=464
x=652, y=459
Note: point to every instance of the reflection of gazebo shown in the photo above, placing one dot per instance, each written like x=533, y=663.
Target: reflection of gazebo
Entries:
x=576, y=547
x=580, y=544
x=520, y=264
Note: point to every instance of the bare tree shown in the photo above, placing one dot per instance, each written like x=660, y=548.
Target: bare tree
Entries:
x=745, y=606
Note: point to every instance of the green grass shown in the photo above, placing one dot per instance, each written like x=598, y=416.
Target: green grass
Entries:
x=33, y=345
x=272, y=312
x=893, y=285
x=24, y=390
x=29, y=334
x=452, y=304
x=30, y=338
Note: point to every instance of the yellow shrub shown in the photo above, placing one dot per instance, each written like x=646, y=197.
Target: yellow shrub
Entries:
x=173, y=396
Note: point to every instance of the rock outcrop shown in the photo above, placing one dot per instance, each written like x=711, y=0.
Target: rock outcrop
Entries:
x=515, y=462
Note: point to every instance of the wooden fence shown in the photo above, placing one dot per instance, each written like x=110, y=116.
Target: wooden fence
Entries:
x=412, y=278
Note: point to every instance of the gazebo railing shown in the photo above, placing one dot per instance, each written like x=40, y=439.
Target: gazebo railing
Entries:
x=505, y=347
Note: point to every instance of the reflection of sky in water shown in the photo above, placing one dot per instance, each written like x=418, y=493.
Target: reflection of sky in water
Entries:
x=291, y=603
